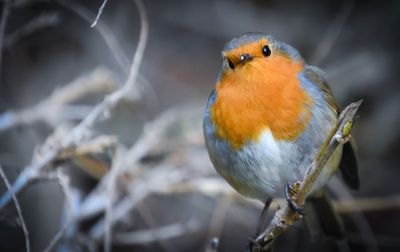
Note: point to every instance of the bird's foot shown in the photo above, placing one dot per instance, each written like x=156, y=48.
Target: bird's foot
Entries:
x=290, y=191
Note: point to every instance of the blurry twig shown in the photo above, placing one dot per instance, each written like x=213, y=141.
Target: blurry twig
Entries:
x=109, y=38
x=18, y=207
x=357, y=215
x=368, y=204
x=156, y=234
x=382, y=240
x=330, y=37
x=129, y=86
x=3, y=25
x=286, y=216
x=99, y=13
x=57, y=237
x=37, y=23
x=218, y=218
x=82, y=131
x=56, y=107
x=151, y=222
x=102, y=29
x=214, y=187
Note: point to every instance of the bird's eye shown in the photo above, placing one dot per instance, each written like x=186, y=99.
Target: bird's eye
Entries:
x=266, y=51
x=230, y=64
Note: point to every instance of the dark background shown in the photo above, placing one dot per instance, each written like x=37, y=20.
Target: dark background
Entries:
x=355, y=42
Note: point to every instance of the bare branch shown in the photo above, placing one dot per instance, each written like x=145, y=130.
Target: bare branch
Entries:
x=330, y=37
x=151, y=222
x=37, y=23
x=3, y=25
x=99, y=13
x=157, y=234
x=55, y=108
x=285, y=216
x=57, y=237
x=102, y=29
x=18, y=207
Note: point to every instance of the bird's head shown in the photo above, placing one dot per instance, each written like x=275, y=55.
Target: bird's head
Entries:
x=258, y=88
x=252, y=52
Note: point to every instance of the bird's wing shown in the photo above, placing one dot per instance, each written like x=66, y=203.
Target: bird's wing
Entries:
x=318, y=78
x=349, y=164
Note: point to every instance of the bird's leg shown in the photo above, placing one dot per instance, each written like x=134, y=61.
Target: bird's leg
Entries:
x=261, y=219
x=290, y=191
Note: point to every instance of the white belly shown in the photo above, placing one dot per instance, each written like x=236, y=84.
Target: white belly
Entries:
x=263, y=169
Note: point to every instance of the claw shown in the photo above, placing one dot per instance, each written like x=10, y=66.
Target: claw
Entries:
x=289, y=190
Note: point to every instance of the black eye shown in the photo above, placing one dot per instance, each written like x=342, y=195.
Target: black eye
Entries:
x=266, y=51
x=230, y=64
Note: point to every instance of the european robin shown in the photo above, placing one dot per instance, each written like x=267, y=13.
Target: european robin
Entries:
x=268, y=116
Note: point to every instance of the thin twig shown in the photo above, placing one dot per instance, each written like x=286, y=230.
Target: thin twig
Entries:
x=57, y=237
x=286, y=217
x=330, y=37
x=358, y=218
x=157, y=234
x=102, y=29
x=18, y=207
x=37, y=23
x=99, y=13
x=217, y=221
x=56, y=107
x=150, y=221
x=129, y=86
x=3, y=25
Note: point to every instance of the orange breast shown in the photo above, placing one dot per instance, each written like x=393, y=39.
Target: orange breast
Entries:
x=262, y=94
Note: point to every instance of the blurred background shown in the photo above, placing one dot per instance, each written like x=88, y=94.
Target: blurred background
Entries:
x=54, y=68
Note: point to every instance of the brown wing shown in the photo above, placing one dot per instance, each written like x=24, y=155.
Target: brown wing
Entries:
x=349, y=164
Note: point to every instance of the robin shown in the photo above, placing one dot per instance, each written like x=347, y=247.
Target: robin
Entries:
x=267, y=117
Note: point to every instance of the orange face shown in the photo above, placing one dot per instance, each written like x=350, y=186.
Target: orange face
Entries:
x=258, y=94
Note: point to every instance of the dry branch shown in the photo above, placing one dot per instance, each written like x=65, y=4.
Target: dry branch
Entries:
x=18, y=207
x=285, y=216
x=57, y=107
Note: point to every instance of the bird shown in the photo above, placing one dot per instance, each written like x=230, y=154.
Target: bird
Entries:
x=267, y=117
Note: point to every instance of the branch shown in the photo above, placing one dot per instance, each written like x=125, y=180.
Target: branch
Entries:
x=285, y=216
x=58, y=106
x=99, y=13
x=82, y=132
x=3, y=24
x=157, y=234
x=18, y=207
x=34, y=25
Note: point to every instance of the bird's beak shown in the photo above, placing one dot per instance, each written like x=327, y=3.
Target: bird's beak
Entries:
x=245, y=57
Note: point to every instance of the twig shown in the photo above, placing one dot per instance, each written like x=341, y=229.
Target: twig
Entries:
x=368, y=204
x=151, y=222
x=217, y=221
x=330, y=37
x=129, y=86
x=157, y=234
x=109, y=38
x=214, y=187
x=3, y=25
x=102, y=29
x=56, y=107
x=57, y=237
x=37, y=23
x=358, y=218
x=286, y=217
x=18, y=207
x=99, y=13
